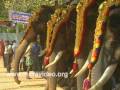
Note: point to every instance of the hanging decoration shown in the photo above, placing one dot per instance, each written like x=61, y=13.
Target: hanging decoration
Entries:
x=62, y=19
x=104, y=9
x=82, y=9
x=50, y=24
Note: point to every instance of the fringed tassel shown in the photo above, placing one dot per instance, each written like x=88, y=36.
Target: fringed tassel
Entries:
x=75, y=66
x=87, y=82
x=46, y=60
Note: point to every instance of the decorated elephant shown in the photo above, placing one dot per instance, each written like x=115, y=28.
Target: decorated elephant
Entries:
x=37, y=25
x=105, y=44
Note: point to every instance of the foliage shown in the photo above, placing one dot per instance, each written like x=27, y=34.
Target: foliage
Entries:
x=3, y=11
x=28, y=6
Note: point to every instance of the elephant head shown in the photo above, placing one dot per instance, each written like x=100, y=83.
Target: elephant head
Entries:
x=61, y=44
x=105, y=10
x=111, y=46
x=37, y=25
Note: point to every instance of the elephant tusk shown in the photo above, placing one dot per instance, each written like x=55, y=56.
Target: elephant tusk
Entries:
x=57, y=58
x=71, y=71
x=42, y=53
x=84, y=68
x=105, y=77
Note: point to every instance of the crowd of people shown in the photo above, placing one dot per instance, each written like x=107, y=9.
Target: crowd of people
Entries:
x=29, y=61
x=7, y=51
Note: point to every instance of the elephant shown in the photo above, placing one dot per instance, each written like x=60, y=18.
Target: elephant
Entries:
x=109, y=52
x=37, y=25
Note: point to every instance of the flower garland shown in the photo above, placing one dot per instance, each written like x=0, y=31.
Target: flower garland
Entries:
x=62, y=19
x=50, y=24
x=98, y=36
x=99, y=32
x=82, y=9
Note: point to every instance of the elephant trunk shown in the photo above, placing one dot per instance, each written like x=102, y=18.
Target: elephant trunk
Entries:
x=98, y=69
x=52, y=81
x=57, y=58
x=84, y=67
x=105, y=77
x=28, y=37
x=19, y=52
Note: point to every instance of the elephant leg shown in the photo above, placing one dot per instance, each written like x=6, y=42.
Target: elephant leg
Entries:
x=47, y=85
x=66, y=88
x=73, y=88
x=52, y=81
x=80, y=78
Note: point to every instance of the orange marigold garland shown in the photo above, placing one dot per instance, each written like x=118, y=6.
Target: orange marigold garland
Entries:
x=50, y=24
x=98, y=36
x=99, y=32
x=82, y=9
x=62, y=19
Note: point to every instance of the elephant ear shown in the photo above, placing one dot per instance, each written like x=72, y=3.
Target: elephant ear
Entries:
x=114, y=19
x=113, y=25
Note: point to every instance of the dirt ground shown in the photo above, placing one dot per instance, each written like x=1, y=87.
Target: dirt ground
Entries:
x=7, y=82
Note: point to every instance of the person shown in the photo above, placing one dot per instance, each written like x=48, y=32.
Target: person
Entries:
x=29, y=61
x=8, y=55
x=35, y=51
x=22, y=65
x=14, y=46
x=2, y=47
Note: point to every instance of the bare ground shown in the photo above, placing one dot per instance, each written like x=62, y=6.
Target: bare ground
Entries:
x=7, y=82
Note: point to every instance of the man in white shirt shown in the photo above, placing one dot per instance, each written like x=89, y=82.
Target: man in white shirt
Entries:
x=8, y=55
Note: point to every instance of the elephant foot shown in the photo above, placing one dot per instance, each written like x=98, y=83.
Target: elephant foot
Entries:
x=66, y=88
x=73, y=88
x=46, y=88
x=16, y=80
